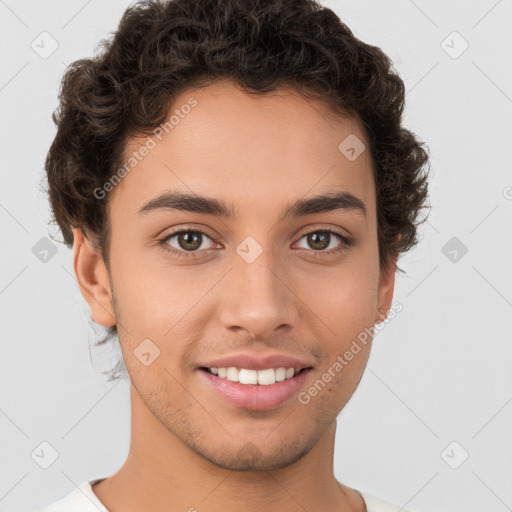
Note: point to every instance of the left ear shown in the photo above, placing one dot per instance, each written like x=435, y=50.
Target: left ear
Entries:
x=386, y=289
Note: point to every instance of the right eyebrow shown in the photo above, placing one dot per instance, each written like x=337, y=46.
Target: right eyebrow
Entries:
x=191, y=203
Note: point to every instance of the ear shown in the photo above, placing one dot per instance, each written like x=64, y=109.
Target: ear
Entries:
x=93, y=280
x=386, y=290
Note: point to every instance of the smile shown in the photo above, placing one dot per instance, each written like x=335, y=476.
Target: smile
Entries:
x=255, y=389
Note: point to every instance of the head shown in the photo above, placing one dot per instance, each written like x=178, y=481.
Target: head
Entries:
x=260, y=107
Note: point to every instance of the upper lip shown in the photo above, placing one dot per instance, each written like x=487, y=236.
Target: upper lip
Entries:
x=251, y=361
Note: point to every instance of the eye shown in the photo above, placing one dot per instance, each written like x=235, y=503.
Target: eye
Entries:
x=186, y=241
x=320, y=240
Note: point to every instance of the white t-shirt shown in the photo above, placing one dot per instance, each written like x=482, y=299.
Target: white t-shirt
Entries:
x=83, y=499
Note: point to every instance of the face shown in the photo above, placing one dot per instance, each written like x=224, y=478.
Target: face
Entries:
x=302, y=285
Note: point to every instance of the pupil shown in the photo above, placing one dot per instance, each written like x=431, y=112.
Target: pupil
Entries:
x=186, y=237
x=323, y=237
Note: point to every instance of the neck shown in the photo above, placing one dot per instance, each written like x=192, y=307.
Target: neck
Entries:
x=161, y=473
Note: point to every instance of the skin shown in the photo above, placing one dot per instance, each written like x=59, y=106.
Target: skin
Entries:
x=189, y=447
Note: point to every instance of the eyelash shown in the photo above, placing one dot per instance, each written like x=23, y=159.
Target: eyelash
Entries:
x=346, y=242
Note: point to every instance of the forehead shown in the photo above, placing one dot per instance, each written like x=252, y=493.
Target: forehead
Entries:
x=256, y=151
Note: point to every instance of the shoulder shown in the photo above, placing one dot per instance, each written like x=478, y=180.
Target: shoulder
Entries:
x=374, y=504
x=81, y=499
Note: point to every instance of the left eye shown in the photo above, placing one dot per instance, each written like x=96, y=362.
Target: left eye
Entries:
x=320, y=238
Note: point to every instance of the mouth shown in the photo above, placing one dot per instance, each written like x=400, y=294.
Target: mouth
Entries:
x=255, y=389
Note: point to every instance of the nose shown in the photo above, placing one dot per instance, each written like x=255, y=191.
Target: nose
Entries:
x=257, y=297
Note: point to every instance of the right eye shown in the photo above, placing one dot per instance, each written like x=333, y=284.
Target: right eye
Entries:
x=189, y=241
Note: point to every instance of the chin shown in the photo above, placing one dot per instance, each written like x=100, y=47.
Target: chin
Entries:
x=252, y=458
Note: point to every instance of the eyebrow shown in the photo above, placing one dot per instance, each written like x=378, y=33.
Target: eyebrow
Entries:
x=199, y=204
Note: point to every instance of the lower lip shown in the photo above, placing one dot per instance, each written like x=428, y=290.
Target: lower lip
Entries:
x=255, y=396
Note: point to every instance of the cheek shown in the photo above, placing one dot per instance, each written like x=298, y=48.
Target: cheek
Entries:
x=345, y=299
x=153, y=303
x=150, y=295
x=165, y=305
x=344, y=304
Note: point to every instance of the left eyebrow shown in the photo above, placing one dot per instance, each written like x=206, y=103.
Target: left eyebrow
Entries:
x=325, y=203
x=200, y=204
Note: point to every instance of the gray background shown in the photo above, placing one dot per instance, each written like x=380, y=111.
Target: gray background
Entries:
x=439, y=373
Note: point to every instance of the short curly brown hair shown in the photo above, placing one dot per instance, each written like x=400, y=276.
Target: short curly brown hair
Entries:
x=162, y=48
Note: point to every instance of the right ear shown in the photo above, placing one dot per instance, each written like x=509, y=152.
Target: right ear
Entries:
x=92, y=277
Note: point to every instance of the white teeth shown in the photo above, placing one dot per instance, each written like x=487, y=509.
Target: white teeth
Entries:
x=280, y=374
x=267, y=377
x=248, y=376
x=262, y=377
x=232, y=374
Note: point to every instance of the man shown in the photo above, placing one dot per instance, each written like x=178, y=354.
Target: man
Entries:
x=237, y=186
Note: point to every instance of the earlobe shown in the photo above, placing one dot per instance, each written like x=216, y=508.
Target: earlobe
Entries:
x=93, y=280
